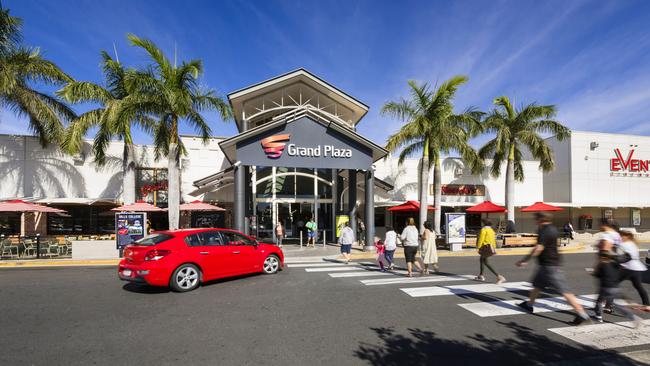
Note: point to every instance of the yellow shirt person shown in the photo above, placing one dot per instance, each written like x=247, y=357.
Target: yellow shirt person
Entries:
x=486, y=237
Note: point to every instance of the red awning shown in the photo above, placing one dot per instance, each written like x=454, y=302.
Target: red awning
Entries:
x=486, y=207
x=22, y=206
x=200, y=206
x=139, y=206
x=541, y=206
x=408, y=206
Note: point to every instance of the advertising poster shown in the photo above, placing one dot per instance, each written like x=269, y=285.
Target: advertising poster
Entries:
x=129, y=227
x=636, y=217
x=455, y=228
x=340, y=220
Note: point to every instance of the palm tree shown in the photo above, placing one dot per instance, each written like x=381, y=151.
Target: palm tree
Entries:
x=19, y=67
x=171, y=94
x=517, y=129
x=107, y=119
x=433, y=129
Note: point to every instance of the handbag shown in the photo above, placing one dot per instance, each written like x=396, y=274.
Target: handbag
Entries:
x=486, y=251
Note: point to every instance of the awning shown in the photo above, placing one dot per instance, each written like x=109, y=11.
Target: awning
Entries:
x=541, y=206
x=139, y=206
x=408, y=206
x=75, y=201
x=22, y=206
x=200, y=206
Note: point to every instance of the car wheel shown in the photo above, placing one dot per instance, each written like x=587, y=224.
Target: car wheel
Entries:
x=187, y=277
x=271, y=264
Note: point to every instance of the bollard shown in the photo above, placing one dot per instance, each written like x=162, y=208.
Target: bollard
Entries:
x=324, y=238
x=38, y=246
x=300, y=239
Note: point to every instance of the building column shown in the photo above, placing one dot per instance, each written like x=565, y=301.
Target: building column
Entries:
x=335, y=202
x=240, y=197
x=370, y=210
x=352, y=200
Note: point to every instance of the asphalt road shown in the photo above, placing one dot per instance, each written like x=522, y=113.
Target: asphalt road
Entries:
x=84, y=316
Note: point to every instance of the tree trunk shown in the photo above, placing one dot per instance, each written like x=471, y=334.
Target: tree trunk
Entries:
x=173, y=186
x=437, y=195
x=128, y=174
x=510, y=185
x=424, y=190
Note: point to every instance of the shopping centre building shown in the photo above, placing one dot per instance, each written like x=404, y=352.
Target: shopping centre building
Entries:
x=298, y=156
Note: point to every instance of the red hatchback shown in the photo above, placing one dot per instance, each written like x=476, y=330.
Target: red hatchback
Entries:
x=183, y=259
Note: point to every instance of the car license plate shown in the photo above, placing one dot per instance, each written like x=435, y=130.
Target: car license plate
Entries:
x=126, y=272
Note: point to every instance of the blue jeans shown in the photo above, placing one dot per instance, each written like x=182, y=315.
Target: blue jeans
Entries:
x=388, y=254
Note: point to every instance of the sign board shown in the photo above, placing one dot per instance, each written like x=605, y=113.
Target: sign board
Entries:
x=129, y=227
x=340, y=220
x=304, y=143
x=455, y=225
x=460, y=189
x=608, y=214
x=636, y=217
x=628, y=166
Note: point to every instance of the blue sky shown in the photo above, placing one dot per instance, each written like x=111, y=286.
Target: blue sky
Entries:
x=590, y=58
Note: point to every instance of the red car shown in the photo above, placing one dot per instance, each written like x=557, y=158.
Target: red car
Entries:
x=183, y=259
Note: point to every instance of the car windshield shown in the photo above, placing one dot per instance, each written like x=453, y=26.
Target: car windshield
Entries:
x=152, y=239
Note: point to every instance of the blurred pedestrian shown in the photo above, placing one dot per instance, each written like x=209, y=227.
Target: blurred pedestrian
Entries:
x=487, y=247
x=390, y=245
x=631, y=266
x=311, y=232
x=429, y=250
x=345, y=240
x=548, y=272
x=410, y=239
x=568, y=230
x=607, y=273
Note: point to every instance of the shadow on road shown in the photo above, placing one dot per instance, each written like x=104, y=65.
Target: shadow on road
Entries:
x=525, y=347
x=141, y=288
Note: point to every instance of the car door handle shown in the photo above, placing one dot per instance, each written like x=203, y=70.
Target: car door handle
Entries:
x=235, y=252
x=204, y=253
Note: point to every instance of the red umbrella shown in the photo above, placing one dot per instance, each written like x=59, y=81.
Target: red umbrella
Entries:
x=408, y=206
x=200, y=206
x=139, y=206
x=22, y=206
x=486, y=207
x=541, y=206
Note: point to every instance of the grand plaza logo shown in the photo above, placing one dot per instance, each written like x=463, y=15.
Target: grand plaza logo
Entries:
x=274, y=145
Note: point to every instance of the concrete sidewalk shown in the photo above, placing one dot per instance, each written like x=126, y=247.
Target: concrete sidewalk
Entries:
x=292, y=254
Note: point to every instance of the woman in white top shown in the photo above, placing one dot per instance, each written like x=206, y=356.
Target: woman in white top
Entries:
x=633, y=269
x=390, y=245
x=429, y=250
x=410, y=238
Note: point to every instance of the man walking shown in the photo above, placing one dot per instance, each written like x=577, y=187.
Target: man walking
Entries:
x=548, y=273
x=345, y=240
x=311, y=232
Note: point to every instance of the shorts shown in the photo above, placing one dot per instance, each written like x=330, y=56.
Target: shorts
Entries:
x=346, y=248
x=409, y=253
x=550, y=276
x=311, y=234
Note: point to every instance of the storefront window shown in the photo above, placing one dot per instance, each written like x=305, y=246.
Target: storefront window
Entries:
x=82, y=220
x=151, y=186
x=9, y=223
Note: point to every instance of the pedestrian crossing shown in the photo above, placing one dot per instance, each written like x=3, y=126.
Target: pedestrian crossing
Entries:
x=601, y=336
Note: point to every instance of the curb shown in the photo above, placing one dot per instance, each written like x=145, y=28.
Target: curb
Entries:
x=60, y=263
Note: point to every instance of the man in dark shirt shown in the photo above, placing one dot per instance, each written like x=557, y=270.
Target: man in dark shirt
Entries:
x=548, y=272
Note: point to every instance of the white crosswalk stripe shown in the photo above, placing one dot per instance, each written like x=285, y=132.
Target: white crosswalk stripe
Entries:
x=335, y=269
x=509, y=307
x=366, y=273
x=319, y=264
x=304, y=260
x=465, y=289
x=413, y=280
x=607, y=335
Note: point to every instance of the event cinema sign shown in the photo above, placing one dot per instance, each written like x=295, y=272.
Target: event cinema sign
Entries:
x=628, y=166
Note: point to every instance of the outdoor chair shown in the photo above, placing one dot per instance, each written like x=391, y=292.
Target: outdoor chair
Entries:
x=49, y=248
x=29, y=246
x=65, y=248
x=9, y=249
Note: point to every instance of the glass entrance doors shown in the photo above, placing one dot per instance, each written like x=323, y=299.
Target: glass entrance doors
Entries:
x=294, y=216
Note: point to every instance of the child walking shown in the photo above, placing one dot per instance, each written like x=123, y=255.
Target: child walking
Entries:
x=607, y=272
x=381, y=250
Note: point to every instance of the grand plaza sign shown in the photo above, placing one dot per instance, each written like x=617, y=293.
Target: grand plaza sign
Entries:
x=628, y=166
x=305, y=143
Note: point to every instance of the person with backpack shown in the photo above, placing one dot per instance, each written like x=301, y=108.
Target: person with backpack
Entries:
x=631, y=266
x=487, y=247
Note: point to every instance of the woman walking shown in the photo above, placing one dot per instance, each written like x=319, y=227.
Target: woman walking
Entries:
x=633, y=269
x=279, y=234
x=390, y=245
x=429, y=250
x=486, y=246
x=410, y=239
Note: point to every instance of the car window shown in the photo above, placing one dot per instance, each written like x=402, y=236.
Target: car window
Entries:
x=211, y=238
x=153, y=239
x=232, y=238
x=194, y=240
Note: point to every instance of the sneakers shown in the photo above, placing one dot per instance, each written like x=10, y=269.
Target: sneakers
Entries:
x=580, y=320
x=500, y=279
x=608, y=310
x=524, y=305
x=637, y=322
x=479, y=278
x=597, y=318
